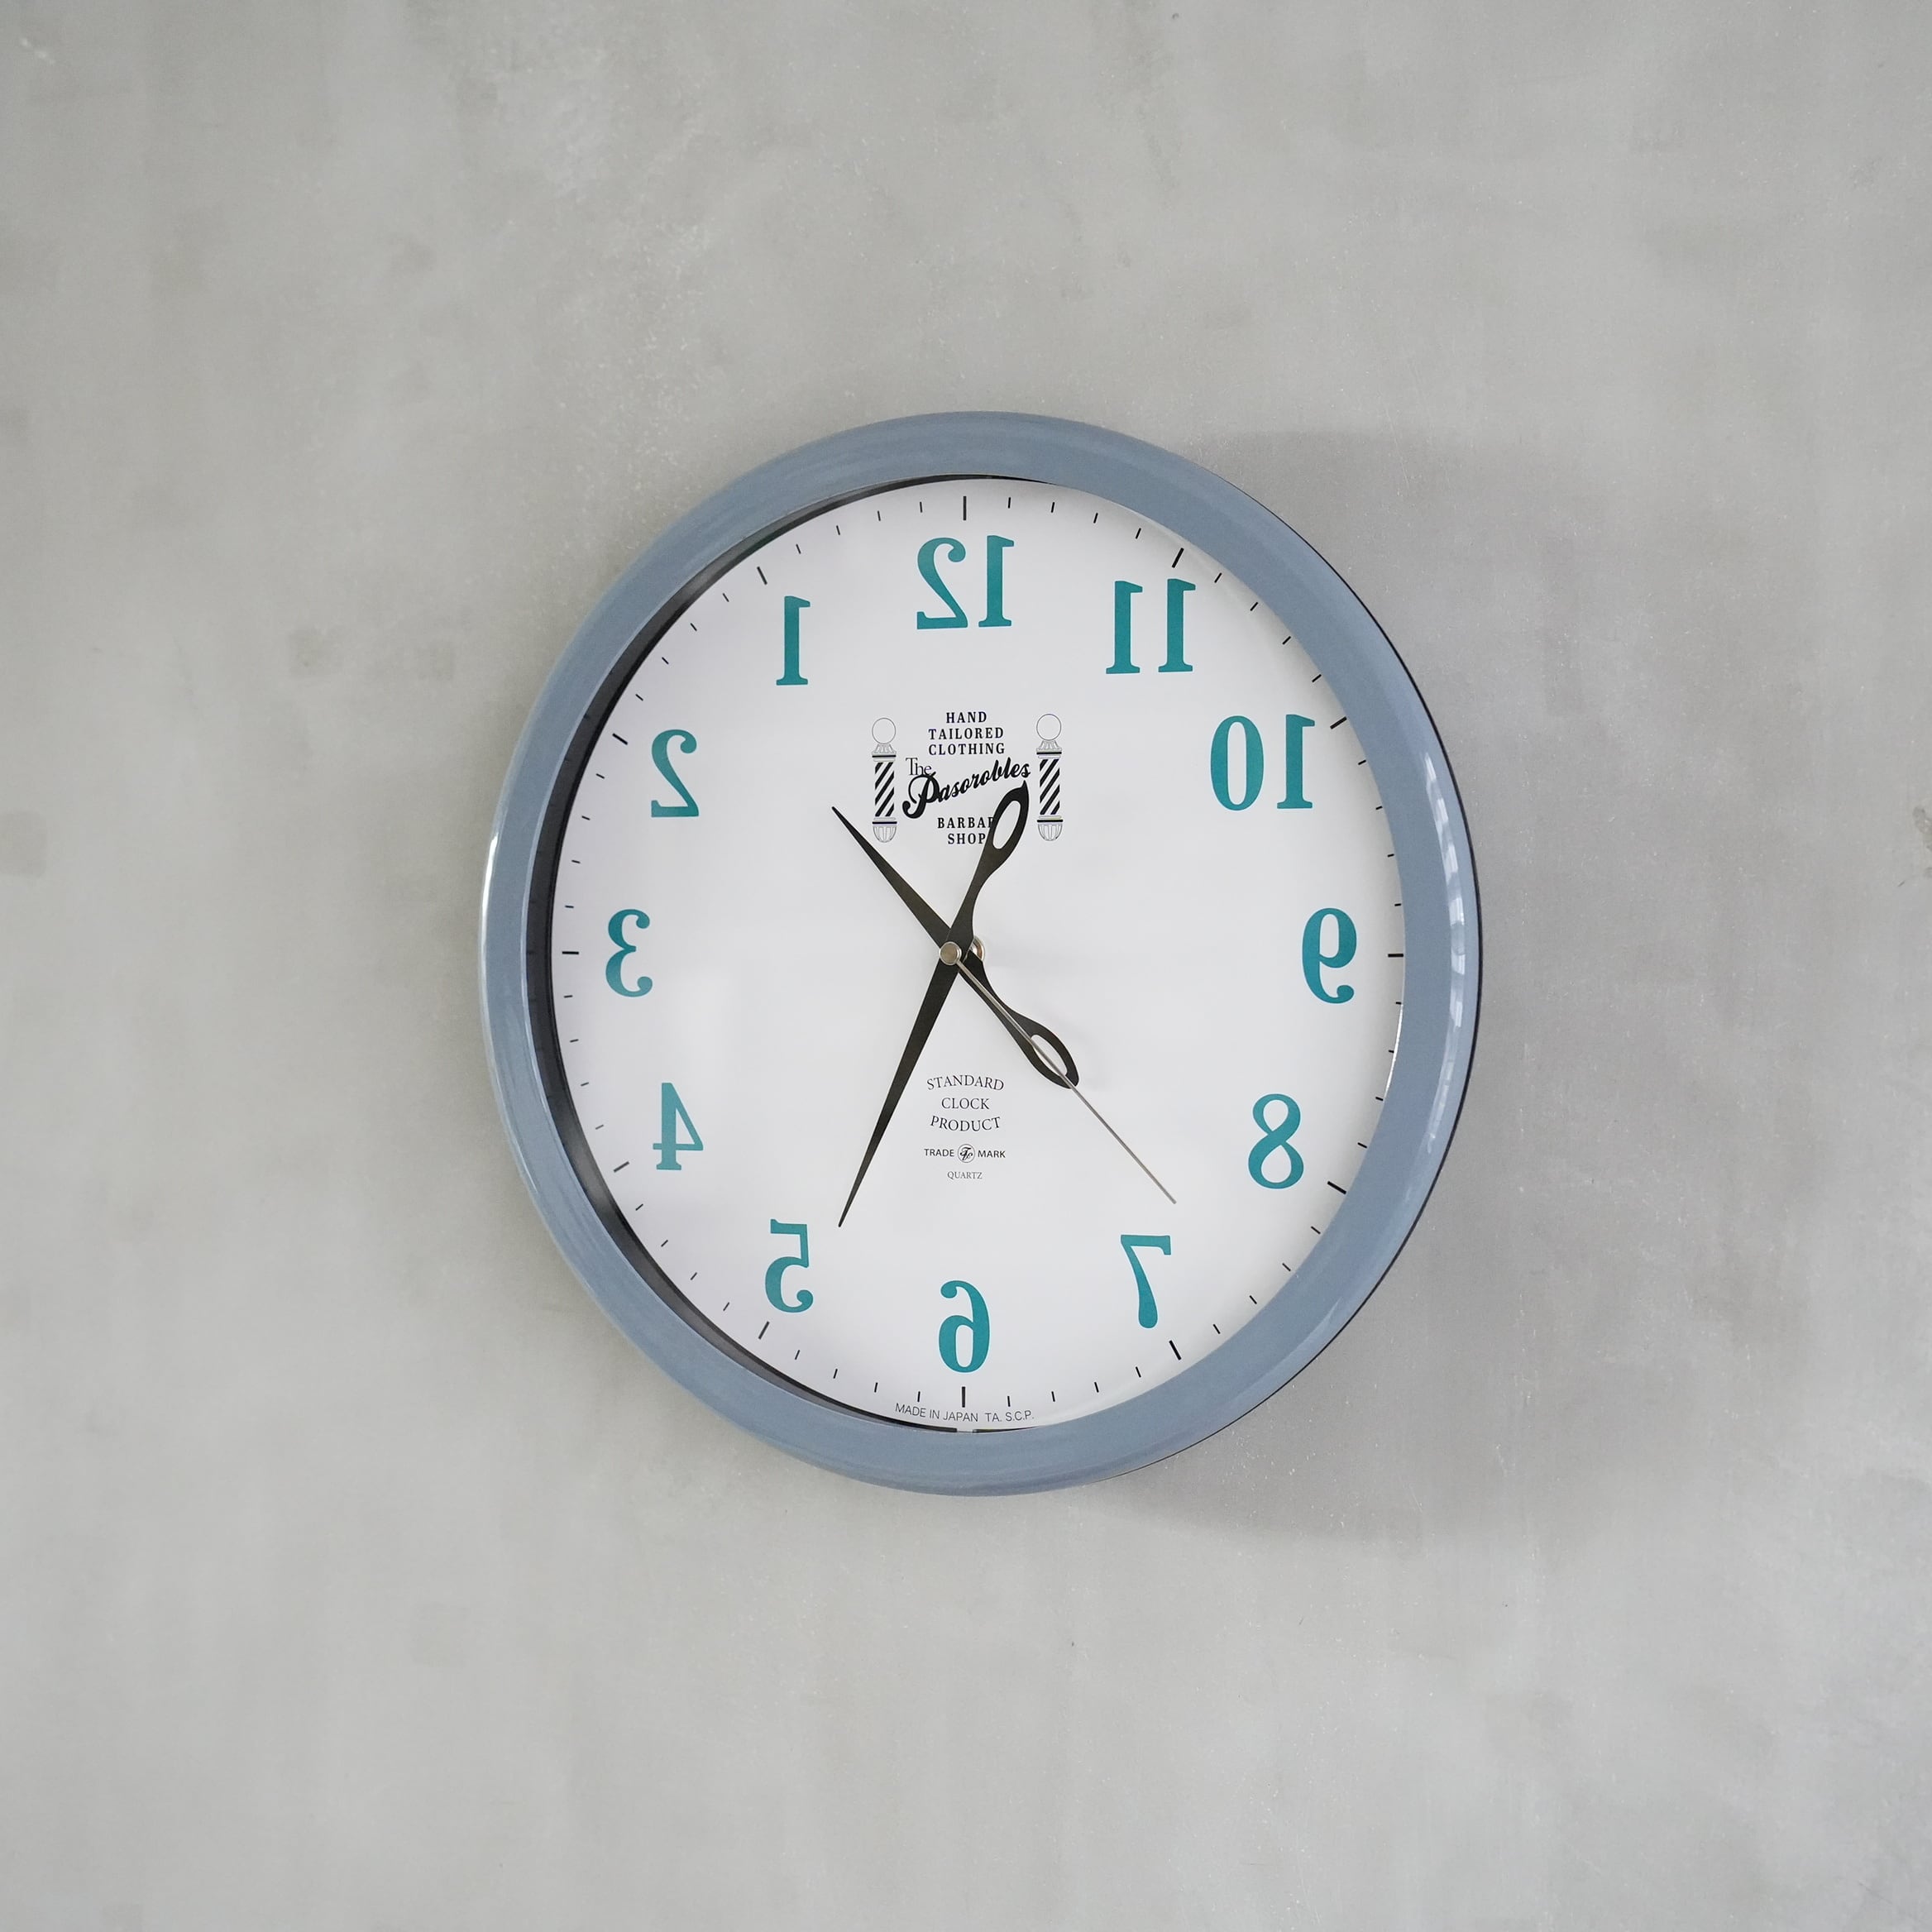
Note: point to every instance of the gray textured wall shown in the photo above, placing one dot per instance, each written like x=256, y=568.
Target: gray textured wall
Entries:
x=356, y=1577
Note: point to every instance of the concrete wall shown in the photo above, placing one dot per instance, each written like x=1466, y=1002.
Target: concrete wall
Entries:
x=356, y=1577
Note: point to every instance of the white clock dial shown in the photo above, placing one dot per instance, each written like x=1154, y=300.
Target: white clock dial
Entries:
x=1203, y=907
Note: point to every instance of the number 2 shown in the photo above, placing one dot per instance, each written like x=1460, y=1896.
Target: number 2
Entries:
x=660, y=757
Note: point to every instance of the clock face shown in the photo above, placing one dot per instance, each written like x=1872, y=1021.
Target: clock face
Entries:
x=973, y=1161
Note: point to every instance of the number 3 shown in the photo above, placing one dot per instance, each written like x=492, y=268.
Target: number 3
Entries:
x=613, y=967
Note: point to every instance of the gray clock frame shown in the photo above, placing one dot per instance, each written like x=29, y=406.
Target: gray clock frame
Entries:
x=1432, y=1062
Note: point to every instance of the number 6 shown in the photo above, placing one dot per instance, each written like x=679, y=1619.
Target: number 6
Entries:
x=974, y=1323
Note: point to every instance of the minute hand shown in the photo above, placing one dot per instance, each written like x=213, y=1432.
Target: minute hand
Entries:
x=1026, y=1033
x=955, y=943
x=993, y=855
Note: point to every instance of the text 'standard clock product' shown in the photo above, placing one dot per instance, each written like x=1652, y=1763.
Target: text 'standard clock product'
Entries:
x=980, y=953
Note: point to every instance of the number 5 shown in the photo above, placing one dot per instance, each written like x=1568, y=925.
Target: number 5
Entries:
x=775, y=1275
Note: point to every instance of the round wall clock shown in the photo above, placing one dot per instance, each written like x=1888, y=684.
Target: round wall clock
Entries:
x=980, y=953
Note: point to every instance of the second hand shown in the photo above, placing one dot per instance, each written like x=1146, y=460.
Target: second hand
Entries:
x=951, y=954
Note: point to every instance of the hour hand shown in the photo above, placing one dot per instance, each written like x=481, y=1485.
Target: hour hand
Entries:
x=1026, y=1033
x=935, y=927
x=995, y=850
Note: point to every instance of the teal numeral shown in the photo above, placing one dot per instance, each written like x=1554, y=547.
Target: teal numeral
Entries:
x=1274, y=1140
x=996, y=618
x=1294, y=798
x=775, y=1275
x=955, y=552
x=1218, y=763
x=1314, y=958
x=613, y=967
x=974, y=1322
x=671, y=1116
x=1123, y=664
x=1133, y=1243
x=793, y=605
x=1124, y=593
x=660, y=757
x=1176, y=656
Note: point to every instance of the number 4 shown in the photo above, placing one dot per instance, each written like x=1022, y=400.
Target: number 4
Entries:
x=671, y=1116
x=1149, y=1313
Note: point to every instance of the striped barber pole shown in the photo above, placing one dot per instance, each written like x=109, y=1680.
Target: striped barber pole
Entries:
x=1048, y=754
x=884, y=813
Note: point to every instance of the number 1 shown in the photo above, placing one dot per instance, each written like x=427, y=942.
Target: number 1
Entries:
x=793, y=605
x=996, y=618
x=1294, y=798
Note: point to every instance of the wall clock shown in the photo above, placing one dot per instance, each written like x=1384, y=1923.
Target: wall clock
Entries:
x=980, y=953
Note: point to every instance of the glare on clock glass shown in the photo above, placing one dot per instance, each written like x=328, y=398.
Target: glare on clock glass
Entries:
x=1191, y=900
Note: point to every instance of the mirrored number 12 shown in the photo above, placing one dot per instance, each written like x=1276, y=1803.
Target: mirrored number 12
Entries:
x=954, y=617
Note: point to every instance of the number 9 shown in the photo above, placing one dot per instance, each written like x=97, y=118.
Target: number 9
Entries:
x=1313, y=959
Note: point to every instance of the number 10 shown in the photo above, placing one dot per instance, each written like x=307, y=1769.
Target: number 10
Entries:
x=1220, y=774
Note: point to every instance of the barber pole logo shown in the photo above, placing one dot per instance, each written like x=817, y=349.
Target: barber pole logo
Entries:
x=1048, y=754
x=968, y=758
x=884, y=813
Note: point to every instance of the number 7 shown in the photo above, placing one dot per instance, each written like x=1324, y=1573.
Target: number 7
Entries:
x=1149, y=1313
